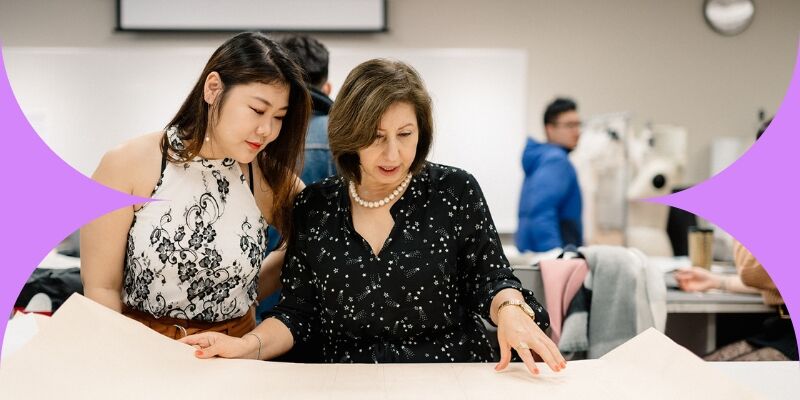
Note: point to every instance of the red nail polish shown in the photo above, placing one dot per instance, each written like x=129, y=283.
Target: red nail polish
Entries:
x=198, y=353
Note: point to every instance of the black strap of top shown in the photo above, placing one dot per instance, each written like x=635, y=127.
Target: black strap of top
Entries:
x=250, y=169
x=164, y=150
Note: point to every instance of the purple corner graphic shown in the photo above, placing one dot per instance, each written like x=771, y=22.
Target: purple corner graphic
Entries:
x=43, y=199
x=757, y=198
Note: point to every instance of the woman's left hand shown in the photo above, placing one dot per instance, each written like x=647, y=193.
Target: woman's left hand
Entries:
x=215, y=344
x=515, y=329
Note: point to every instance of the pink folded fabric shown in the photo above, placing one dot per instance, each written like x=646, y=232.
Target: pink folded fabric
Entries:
x=561, y=279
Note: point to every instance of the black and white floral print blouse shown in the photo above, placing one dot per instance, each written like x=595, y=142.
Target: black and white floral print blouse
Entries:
x=196, y=253
x=421, y=298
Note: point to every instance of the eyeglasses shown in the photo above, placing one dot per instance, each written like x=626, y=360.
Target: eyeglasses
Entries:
x=569, y=125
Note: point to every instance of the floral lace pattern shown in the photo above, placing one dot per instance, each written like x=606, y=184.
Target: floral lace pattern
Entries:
x=196, y=253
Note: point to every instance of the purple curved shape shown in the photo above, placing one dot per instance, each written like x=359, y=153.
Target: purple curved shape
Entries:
x=757, y=198
x=44, y=199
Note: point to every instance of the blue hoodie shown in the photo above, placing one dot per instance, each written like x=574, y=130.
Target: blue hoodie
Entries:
x=550, y=203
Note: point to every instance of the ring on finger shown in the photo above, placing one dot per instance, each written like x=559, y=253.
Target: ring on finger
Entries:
x=524, y=346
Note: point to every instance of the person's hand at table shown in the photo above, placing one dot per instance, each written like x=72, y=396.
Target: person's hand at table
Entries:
x=696, y=279
x=515, y=329
x=215, y=344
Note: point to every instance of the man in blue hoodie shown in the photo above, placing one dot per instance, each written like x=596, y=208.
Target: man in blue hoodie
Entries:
x=550, y=203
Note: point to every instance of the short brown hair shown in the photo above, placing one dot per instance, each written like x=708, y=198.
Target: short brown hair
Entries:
x=368, y=91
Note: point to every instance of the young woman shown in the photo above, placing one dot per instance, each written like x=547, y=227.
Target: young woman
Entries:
x=223, y=169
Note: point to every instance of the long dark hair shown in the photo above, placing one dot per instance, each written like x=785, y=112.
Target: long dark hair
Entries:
x=251, y=57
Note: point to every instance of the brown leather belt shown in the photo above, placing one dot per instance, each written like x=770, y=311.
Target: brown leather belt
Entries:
x=177, y=328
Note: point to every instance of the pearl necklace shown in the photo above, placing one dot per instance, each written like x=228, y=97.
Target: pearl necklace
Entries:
x=380, y=203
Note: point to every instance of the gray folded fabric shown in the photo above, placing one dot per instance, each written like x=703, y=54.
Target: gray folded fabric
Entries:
x=574, y=334
x=627, y=297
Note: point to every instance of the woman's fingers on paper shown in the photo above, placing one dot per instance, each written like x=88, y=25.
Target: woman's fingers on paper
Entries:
x=527, y=358
x=209, y=346
x=208, y=352
x=505, y=354
x=192, y=340
x=559, y=358
x=543, y=351
x=198, y=341
x=555, y=361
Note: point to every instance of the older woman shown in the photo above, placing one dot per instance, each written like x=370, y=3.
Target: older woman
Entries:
x=396, y=259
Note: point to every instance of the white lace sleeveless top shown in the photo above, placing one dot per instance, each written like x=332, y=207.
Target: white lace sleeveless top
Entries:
x=196, y=254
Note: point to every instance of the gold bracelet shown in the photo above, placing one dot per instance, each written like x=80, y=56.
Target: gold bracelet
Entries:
x=258, y=357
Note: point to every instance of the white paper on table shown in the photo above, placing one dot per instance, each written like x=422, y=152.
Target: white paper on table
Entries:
x=657, y=363
x=19, y=331
x=91, y=352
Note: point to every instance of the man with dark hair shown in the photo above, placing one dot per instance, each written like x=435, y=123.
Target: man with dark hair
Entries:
x=550, y=203
x=312, y=56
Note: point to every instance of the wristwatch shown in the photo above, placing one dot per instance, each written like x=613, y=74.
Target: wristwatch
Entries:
x=519, y=303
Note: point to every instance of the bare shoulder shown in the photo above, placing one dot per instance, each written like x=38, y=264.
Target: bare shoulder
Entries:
x=133, y=165
x=134, y=150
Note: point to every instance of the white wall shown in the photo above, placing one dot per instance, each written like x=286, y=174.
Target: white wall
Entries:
x=655, y=58
x=84, y=101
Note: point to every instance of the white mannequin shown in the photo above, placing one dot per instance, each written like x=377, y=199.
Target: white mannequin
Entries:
x=656, y=158
x=662, y=160
x=599, y=161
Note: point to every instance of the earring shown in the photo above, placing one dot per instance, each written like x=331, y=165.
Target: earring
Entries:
x=208, y=139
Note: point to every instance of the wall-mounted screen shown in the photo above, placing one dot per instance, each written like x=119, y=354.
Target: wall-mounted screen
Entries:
x=261, y=15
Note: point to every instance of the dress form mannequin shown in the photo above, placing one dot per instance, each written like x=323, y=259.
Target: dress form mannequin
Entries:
x=662, y=162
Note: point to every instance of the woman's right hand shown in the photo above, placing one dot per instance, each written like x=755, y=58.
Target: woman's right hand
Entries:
x=215, y=344
x=696, y=279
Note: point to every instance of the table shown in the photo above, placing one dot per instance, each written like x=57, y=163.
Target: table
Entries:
x=715, y=302
x=772, y=379
x=97, y=331
x=691, y=317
